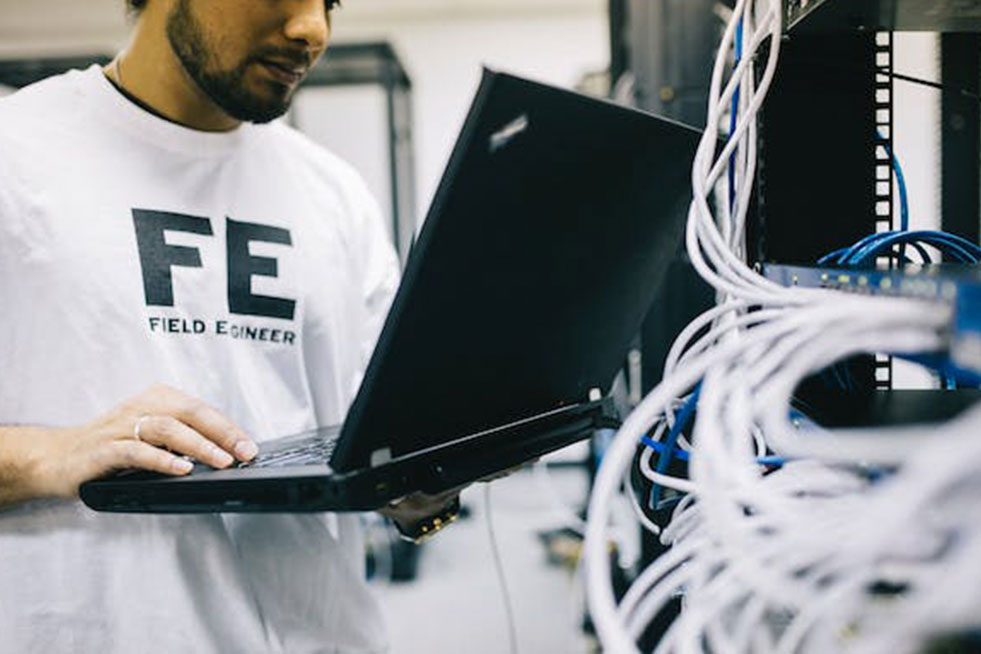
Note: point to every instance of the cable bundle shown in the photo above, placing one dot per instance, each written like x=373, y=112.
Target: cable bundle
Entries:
x=892, y=244
x=786, y=538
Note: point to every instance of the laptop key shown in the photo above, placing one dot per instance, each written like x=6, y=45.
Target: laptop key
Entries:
x=316, y=451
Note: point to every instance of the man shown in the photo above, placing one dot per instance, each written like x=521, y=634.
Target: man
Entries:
x=156, y=233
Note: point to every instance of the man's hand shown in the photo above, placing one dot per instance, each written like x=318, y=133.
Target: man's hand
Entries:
x=410, y=511
x=419, y=506
x=150, y=431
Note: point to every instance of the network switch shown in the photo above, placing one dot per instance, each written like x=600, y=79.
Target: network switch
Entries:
x=958, y=286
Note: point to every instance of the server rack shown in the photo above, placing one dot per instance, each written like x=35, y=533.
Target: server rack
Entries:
x=959, y=24
x=826, y=130
x=825, y=177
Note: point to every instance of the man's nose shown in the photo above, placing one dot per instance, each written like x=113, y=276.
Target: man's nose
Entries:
x=309, y=23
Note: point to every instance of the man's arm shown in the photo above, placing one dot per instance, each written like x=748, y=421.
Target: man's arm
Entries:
x=19, y=464
x=150, y=431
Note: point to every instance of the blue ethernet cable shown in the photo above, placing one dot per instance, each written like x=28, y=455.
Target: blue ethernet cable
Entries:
x=867, y=249
x=671, y=441
x=901, y=183
x=668, y=450
x=951, y=244
x=840, y=255
x=682, y=455
x=903, y=197
x=733, y=116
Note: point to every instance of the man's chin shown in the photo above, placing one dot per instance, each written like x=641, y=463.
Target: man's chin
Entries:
x=263, y=104
x=257, y=109
x=262, y=116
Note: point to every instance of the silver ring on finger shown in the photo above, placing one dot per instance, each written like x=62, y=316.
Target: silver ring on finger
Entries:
x=138, y=426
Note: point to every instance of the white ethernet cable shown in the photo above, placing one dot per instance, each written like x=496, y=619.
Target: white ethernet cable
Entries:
x=751, y=550
x=821, y=555
x=757, y=546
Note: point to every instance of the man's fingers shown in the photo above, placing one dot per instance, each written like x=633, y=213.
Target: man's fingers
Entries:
x=170, y=433
x=119, y=455
x=214, y=426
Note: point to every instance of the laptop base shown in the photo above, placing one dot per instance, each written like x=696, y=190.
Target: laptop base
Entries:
x=304, y=489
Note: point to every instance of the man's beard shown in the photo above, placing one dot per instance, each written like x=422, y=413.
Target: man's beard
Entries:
x=226, y=88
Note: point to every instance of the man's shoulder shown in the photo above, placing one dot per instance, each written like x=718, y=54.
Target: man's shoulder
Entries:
x=38, y=102
x=305, y=147
x=321, y=171
x=38, y=122
x=316, y=158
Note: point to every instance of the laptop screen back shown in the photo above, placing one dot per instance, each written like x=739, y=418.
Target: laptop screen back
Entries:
x=540, y=255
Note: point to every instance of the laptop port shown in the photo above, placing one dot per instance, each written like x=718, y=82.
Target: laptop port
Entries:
x=310, y=492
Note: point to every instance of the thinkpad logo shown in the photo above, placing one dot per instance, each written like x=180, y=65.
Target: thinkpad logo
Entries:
x=509, y=132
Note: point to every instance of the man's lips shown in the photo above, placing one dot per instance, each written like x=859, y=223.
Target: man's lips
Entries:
x=285, y=72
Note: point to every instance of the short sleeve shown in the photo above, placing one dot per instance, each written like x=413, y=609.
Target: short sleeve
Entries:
x=380, y=277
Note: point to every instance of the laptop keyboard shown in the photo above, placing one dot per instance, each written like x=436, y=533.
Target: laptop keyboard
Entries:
x=315, y=450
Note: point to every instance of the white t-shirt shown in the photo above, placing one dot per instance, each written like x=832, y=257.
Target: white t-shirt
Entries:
x=250, y=269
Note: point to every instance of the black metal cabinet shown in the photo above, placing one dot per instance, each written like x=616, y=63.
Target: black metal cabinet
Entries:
x=959, y=22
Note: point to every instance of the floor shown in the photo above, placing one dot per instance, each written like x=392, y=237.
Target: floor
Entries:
x=456, y=605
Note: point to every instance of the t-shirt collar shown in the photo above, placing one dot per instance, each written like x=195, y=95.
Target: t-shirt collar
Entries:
x=116, y=108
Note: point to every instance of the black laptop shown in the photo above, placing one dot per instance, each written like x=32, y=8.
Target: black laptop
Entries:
x=546, y=240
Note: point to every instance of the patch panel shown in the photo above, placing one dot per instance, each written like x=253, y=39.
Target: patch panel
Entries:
x=959, y=286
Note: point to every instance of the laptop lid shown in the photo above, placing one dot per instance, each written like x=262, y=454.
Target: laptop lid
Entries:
x=546, y=240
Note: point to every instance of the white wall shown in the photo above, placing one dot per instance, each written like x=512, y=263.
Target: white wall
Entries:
x=353, y=122
x=916, y=116
x=43, y=27
x=444, y=52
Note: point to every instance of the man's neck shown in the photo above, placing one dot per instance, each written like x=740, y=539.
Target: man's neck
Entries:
x=149, y=71
x=112, y=74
